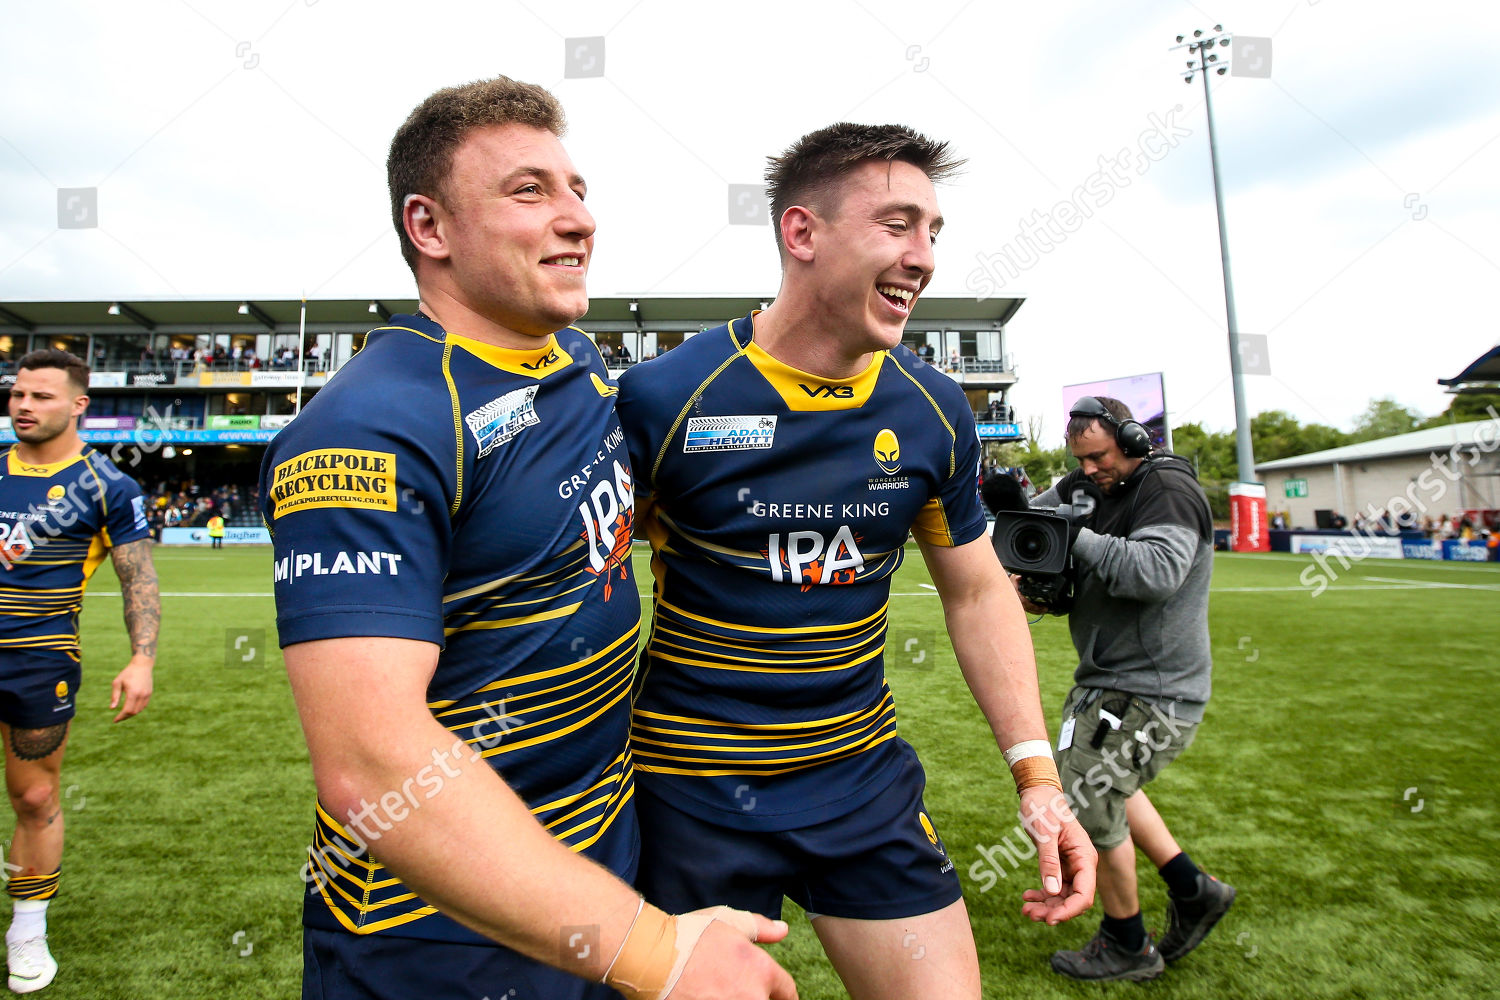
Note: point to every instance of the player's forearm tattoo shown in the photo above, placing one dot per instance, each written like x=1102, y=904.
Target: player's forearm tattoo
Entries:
x=138, y=587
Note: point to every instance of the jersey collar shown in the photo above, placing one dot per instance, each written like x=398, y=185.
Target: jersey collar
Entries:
x=539, y=363
x=804, y=391
x=16, y=467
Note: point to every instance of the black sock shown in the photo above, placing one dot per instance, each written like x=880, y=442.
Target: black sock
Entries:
x=1130, y=932
x=1181, y=876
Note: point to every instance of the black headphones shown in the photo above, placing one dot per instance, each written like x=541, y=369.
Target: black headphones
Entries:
x=1131, y=435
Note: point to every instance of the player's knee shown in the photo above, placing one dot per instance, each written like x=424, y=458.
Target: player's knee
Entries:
x=35, y=799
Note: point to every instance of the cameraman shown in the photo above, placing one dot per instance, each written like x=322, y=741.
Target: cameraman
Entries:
x=1140, y=624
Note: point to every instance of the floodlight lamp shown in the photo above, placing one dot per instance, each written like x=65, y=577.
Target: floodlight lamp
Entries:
x=1179, y=38
x=1223, y=41
x=1218, y=27
x=374, y=308
x=1197, y=33
x=1222, y=70
x=114, y=309
x=634, y=306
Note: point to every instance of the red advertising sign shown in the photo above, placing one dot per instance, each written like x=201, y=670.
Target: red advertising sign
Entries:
x=1248, y=530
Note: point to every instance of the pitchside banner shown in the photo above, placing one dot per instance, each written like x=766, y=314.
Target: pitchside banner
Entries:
x=1248, y=529
x=199, y=536
x=1356, y=546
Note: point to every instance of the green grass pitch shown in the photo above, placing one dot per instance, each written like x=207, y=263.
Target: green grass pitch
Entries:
x=186, y=826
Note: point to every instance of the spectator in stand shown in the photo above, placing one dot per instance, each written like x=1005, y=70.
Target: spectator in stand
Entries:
x=955, y=363
x=607, y=353
x=624, y=354
x=1278, y=523
x=1339, y=522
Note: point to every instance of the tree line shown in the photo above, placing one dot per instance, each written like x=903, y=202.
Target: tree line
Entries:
x=1274, y=434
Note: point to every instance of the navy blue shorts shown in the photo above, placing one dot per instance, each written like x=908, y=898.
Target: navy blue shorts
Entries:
x=882, y=861
x=37, y=689
x=341, y=966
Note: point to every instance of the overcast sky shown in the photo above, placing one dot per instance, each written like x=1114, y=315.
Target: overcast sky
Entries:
x=237, y=150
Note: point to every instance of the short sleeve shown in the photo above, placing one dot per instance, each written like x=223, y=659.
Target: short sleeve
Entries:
x=125, y=509
x=359, y=519
x=634, y=412
x=953, y=516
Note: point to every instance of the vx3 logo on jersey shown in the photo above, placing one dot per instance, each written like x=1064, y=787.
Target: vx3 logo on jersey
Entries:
x=536, y=366
x=828, y=391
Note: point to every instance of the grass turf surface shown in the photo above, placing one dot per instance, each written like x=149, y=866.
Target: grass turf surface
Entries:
x=187, y=825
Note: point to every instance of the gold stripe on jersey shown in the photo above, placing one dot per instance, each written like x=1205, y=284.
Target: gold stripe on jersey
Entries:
x=458, y=429
x=615, y=689
x=953, y=437
x=99, y=482
x=682, y=414
x=540, y=616
x=614, y=648
x=813, y=632
x=707, y=546
x=550, y=595
x=805, y=392
x=702, y=747
x=932, y=524
x=365, y=898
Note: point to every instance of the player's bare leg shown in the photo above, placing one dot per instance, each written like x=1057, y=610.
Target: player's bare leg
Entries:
x=1149, y=830
x=930, y=956
x=33, y=777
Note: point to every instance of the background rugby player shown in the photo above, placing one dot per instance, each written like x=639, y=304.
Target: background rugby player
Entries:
x=62, y=506
x=780, y=462
x=452, y=520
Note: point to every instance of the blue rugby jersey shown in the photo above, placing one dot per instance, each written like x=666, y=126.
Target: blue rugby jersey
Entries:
x=777, y=504
x=443, y=489
x=57, y=523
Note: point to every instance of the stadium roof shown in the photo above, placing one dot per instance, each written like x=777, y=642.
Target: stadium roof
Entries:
x=1434, y=439
x=1481, y=376
x=653, y=313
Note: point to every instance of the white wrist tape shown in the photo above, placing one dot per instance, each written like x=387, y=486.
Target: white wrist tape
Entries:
x=1027, y=748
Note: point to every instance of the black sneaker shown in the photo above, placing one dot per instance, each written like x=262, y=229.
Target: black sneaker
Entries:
x=1190, y=920
x=1104, y=959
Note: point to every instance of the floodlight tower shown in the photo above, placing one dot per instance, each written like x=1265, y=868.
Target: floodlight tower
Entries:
x=1204, y=61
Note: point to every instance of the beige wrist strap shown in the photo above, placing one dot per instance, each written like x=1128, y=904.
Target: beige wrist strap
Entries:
x=658, y=945
x=1032, y=771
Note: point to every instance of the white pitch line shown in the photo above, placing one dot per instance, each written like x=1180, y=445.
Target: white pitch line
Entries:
x=1380, y=561
x=188, y=593
x=1437, y=584
x=1335, y=588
